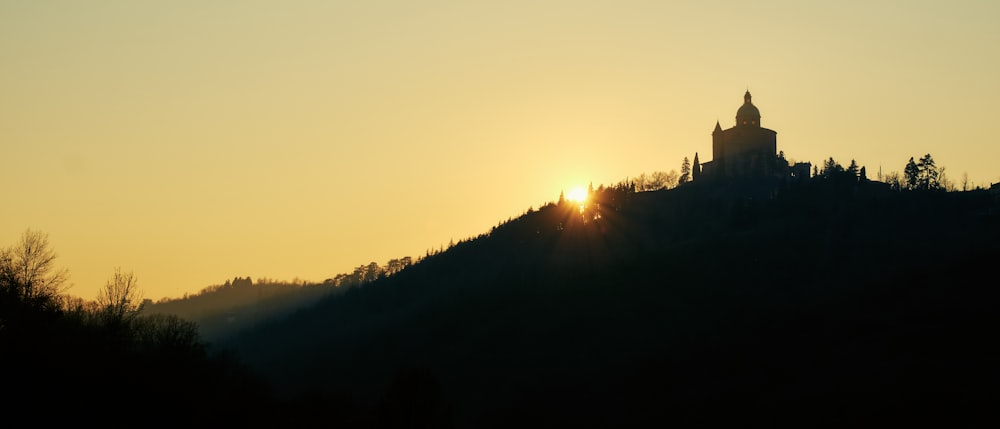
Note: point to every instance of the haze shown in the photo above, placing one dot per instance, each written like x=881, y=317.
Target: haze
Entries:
x=193, y=142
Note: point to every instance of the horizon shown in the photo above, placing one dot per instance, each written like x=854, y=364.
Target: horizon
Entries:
x=195, y=144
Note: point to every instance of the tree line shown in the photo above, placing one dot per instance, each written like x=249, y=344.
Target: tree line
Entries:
x=67, y=361
x=78, y=355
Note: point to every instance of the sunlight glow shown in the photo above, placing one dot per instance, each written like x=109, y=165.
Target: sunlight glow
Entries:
x=577, y=195
x=243, y=139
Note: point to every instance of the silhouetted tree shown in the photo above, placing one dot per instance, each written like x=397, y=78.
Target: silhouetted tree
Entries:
x=28, y=269
x=911, y=174
x=852, y=169
x=656, y=181
x=831, y=168
x=393, y=266
x=121, y=299
x=927, y=174
x=685, y=172
x=944, y=181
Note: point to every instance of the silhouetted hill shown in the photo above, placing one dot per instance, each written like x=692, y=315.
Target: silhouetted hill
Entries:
x=819, y=305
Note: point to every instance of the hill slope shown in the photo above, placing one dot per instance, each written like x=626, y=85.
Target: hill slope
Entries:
x=824, y=305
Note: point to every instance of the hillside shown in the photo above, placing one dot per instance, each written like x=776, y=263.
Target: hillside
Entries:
x=819, y=305
x=224, y=310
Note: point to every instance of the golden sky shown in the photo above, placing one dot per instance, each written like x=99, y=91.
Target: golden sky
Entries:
x=195, y=141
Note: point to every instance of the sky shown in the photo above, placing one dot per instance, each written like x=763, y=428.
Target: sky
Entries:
x=192, y=142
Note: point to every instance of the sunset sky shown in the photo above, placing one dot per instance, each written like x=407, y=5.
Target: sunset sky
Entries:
x=196, y=141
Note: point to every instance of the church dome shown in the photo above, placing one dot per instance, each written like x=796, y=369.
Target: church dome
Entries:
x=748, y=113
x=748, y=110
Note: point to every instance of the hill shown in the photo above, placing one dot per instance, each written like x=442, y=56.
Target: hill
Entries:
x=821, y=304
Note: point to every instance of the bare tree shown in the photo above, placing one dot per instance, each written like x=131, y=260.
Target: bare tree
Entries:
x=121, y=299
x=27, y=269
x=642, y=182
x=657, y=180
x=894, y=180
x=670, y=178
x=945, y=181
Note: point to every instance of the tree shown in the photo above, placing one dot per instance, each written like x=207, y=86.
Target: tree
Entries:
x=393, y=266
x=852, y=169
x=27, y=269
x=663, y=180
x=927, y=174
x=120, y=300
x=894, y=181
x=831, y=168
x=911, y=174
x=685, y=172
x=644, y=182
x=945, y=182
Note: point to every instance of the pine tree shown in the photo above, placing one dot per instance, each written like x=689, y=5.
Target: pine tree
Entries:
x=853, y=168
x=696, y=168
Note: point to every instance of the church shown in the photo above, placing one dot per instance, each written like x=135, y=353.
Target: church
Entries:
x=746, y=151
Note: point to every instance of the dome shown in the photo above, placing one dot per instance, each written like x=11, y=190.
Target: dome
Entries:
x=748, y=113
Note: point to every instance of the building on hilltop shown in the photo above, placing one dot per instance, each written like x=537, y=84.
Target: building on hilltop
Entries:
x=748, y=151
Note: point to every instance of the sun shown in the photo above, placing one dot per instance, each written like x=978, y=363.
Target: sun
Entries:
x=577, y=195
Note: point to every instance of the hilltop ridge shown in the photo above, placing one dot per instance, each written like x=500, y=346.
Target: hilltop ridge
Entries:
x=775, y=304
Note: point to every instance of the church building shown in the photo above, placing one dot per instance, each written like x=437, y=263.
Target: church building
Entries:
x=747, y=150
